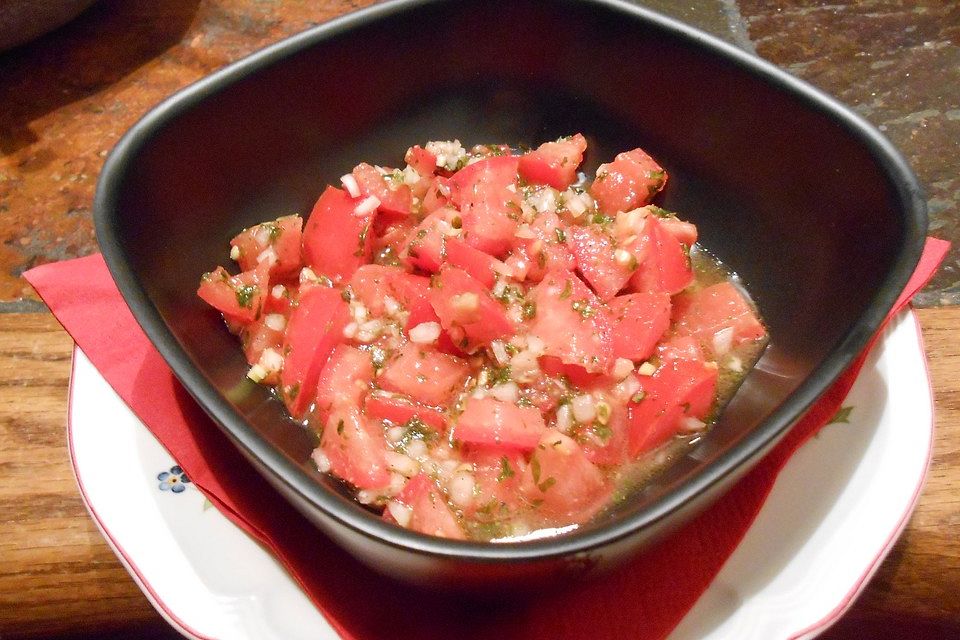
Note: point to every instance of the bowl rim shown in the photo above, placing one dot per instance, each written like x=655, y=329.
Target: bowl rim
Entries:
x=727, y=466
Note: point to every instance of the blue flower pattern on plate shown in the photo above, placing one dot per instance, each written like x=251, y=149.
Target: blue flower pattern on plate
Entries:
x=174, y=480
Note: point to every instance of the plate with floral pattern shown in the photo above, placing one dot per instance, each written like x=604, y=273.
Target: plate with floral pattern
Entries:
x=833, y=514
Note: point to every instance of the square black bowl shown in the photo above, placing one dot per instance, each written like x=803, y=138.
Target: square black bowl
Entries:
x=809, y=204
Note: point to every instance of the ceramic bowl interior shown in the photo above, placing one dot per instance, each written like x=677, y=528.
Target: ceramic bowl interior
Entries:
x=809, y=205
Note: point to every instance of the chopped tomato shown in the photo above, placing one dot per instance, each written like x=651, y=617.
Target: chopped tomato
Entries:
x=422, y=312
x=547, y=248
x=390, y=236
x=423, y=161
x=630, y=181
x=424, y=374
x=478, y=264
x=678, y=389
x=562, y=481
x=603, y=267
x=685, y=232
x=639, y=320
x=394, y=196
x=430, y=513
x=315, y=328
x=554, y=163
x=238, y=297
x=575, y=373
x=260, y=335
x=344, y=380
x=426, y=247
x=276, y=242
x=437, y=194
x=664, y=262
x=467, y=311
x=372, y=283
x=400, y=409
x=488, y=207
x=356, y=448
x=336, y=239
x=573, y=324
x=497, y=473
x=494, y=423
x=605, y=445
x=718, y=316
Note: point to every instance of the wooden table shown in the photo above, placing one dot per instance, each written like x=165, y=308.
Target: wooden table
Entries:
x=66, y=98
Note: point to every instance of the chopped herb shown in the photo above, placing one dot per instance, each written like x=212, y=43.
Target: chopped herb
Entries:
x=535, y=470
x=546, y=484
x=584, y=308
x=500, y=375
x=542, y=259
x=660, y=212
x=567, y=290
x=378, y=357
x=416, y=429
x=638, y=396
x=457, y=222
x=245, y=294
x=524, y=401
x=599, y=218
x=340, y=427
x=603, y=432
x=345, y=294
x=529, y=310
x=511, y=349
x=561, y=235
x=361, y=241
x=293, y=390
x=505, y=470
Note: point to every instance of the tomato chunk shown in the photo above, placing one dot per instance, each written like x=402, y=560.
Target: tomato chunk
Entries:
x=426, y=247
x=400, y=409
x=546, y=247
x=430, y=512
x=606, y=270
x=493, y=423
x=719, y=317
x=276, y=242
x=336, y=239
x=488, y=207
x=356, y=448
x=372, y=283
x=573, y=324
x=424, y=374
x=315, y=328
x=424, y=162
x=478, y=264
x=554, y=163
x=639, y=320
x=678, y=389
x=497, y=473
x=344, y=380
x=565, y=484
x=238, y=297
x=467, y=310
x=664, y=262
x=395, y=197
x=630, y=181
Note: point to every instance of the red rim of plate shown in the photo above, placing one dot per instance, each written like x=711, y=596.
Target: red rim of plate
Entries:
x=810, y=631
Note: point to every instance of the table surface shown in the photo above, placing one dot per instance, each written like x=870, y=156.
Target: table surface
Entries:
x=67, y=97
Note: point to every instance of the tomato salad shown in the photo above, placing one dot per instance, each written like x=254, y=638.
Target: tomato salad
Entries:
x=488, y=346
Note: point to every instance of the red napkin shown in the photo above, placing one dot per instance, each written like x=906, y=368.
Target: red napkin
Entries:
x=646, y=598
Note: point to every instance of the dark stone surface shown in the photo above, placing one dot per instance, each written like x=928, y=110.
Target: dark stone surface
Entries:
x=66, y=97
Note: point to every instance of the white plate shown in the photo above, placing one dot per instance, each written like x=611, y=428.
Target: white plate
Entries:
x=833, y=514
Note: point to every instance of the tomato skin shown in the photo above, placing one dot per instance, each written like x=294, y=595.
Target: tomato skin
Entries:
x=424, y=162
x=356, y=448
x=638, y=321
x=630, y=181
x=394, y=200
x=467, y=311
x=335, y=241
x=344, y=379
x=282, y=235
x=487, y=206
x=400, y=409
x=553, y=163
x=502, y=425
x=431, y=513
x=576, y=337
x=315, y=328
x=424, y=374
x=594, y=251
x=567, y=486
x=677, y=389
x=664, y=264
x=239, y=298
x=703, y=314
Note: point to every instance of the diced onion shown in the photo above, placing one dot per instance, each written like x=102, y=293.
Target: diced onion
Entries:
x=350, y=184
x=367, y=205
x=564, y=418
x=465, y=302
x=584, y=409
x=400, y=512
x=460, y=488
x=646, y=369
x=507, y=392
x=623, y=257
x=723, y=341
x=404, y=465
x=234, y=253
x=417, y=449
x=278, y=291
x=622, y=367
x=257, y=373
x=390, y=305
x=499, y=287
x=425, y=333
x=275, y=321
x=350, y=331
x=689, y=424
x=535, y=345
x=321, y=459
x=524, y=232
x=499, y=352
x=271, y=360
x=307, y=275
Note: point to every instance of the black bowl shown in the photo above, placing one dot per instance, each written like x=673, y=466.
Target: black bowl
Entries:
x=812, y=207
